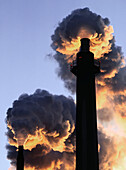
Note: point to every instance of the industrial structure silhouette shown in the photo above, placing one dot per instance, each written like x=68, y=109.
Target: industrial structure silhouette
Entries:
x=86, y=123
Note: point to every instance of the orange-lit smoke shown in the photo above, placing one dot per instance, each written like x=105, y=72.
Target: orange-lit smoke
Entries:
x=110, y=97
x=53, y=166
x=109, y=113
x=113, y=147
x=99, y=44
x=44, y=124
x=41, y=137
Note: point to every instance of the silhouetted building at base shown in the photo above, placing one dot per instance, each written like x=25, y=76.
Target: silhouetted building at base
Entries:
x=86, y=122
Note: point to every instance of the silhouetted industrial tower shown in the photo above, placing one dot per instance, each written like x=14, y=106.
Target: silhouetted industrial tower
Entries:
x=86, y=121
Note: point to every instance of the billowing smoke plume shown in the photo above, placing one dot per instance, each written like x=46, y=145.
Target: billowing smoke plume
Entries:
x=83, y=23
x=45, y=125
x=111, y=82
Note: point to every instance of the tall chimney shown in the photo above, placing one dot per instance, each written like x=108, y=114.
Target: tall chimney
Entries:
x=86, y=121
x=20, y=158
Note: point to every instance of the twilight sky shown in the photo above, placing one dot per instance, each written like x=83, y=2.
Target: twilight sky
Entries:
x=26, y=27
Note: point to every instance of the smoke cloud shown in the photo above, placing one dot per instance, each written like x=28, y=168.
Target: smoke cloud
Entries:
x=110, y=83
x=69, y=29
x=45, y=123
x=112, y=150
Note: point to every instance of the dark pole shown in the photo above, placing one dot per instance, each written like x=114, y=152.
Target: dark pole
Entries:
x=86, y=121
x=20, y=159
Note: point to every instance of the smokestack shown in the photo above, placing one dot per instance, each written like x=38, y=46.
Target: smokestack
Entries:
x=86, y=123
x=20, y=158
x=85, y=45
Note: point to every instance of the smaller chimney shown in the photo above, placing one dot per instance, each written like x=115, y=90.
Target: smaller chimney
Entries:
x=20, y=158
x=85, y=45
